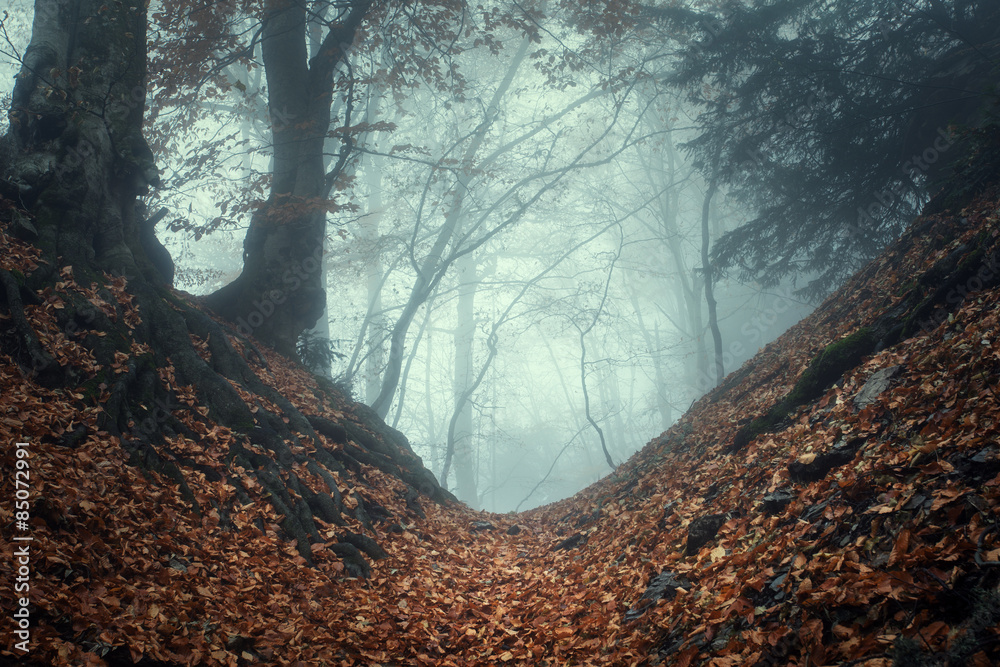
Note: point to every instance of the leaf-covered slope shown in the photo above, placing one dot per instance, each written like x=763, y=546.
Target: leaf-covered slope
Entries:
x=853, y=528
x=828, y=533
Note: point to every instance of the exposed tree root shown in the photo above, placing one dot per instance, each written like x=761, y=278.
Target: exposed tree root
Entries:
x=20, y=338
x=146, y=404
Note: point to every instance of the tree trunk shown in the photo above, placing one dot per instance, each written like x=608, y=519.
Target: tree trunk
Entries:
x=465, y=331
x=662, y=400
x=706, y=240
x=653, y=347
x=280, y=293
x=75, y=150
x=375, y=357
x=663, y=177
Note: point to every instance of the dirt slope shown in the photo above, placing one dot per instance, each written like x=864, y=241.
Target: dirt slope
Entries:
x=779, y=522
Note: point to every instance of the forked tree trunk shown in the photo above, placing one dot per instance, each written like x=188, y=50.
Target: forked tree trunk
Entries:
x=280, y=293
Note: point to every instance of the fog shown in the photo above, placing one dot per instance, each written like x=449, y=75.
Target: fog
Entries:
x=525, y=221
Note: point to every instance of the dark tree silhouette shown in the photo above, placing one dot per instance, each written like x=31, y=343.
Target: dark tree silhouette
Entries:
x=280, y=293
x=834, y=121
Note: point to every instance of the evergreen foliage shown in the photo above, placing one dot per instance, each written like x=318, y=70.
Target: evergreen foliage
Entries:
x=833, y=120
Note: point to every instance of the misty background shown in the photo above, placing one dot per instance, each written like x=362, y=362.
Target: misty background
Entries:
x=528, y=220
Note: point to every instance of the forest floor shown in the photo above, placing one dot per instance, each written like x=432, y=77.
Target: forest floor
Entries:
x=834, y=502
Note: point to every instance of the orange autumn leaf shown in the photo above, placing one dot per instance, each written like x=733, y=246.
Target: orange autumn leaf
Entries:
x=899, y=548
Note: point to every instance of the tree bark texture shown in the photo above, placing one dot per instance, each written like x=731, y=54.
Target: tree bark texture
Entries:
x=280, y=292
x=75, y=150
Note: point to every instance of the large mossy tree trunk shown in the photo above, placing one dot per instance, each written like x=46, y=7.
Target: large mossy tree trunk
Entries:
x=75, y=150
x=74, y=162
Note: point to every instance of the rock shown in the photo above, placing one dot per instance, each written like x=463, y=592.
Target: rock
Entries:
x=714, y=491
x=814, y=511
x=412, y=499
x=876, y=384
x=571, y=542
x=777, y=584
x=775, y=502
x=918, y=502
x=177, y=564
x=332, y=430
x=981, y=466
x=702, y=530
x=722, y=639
x=514, y=530
x=21, y=225
x=984, y=455
x=813, y=467
x=663, y=585
x=482, y=525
